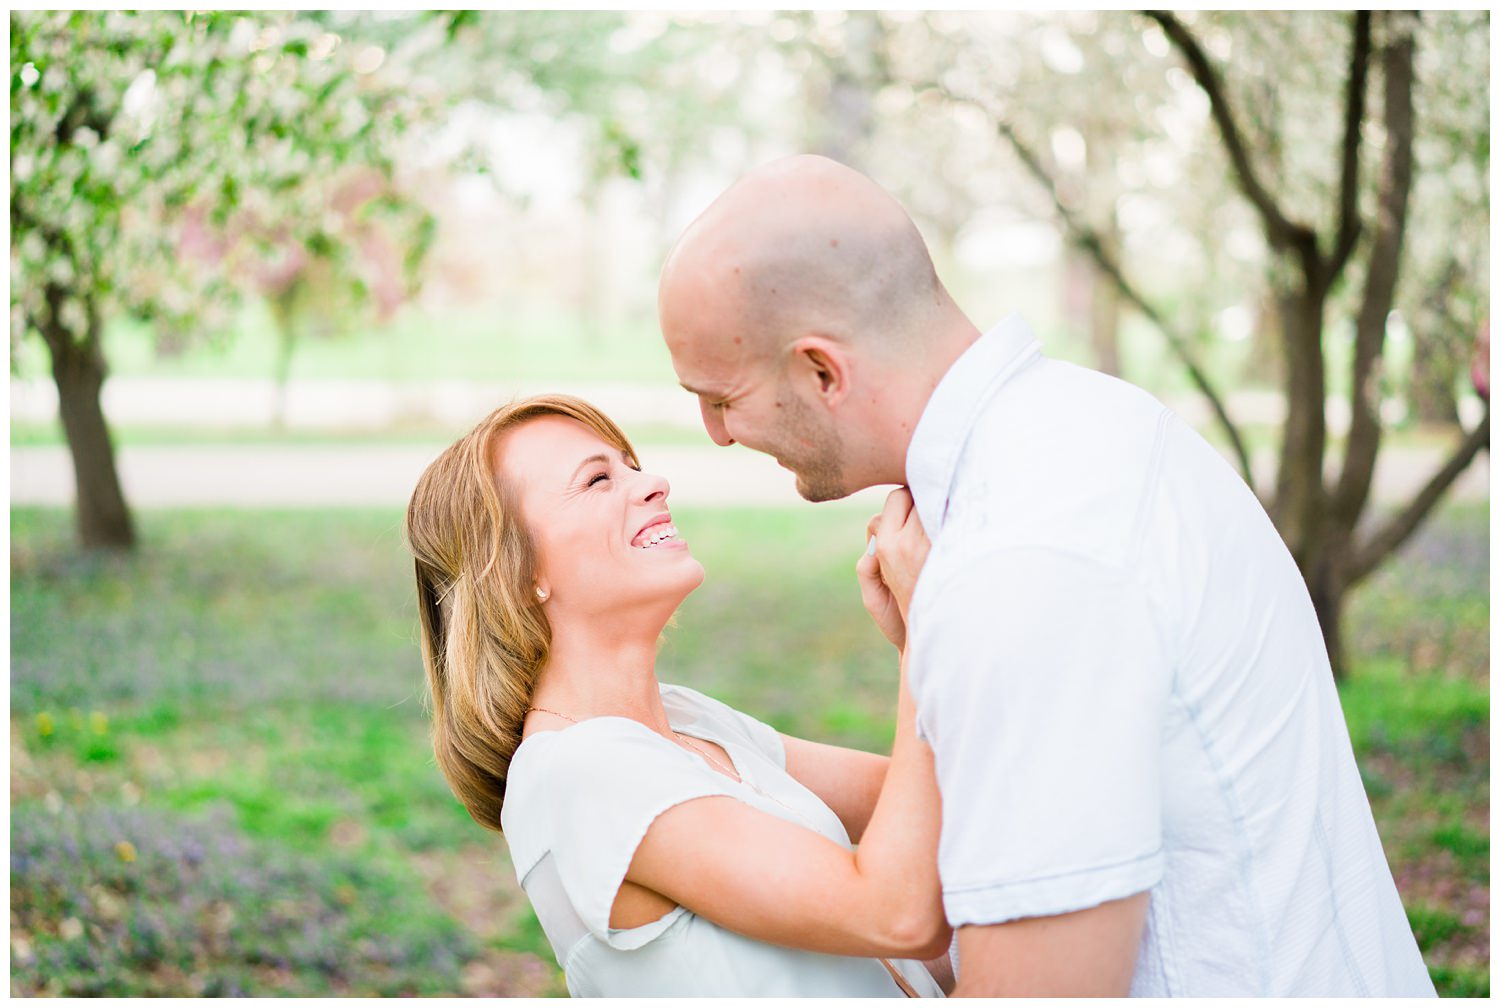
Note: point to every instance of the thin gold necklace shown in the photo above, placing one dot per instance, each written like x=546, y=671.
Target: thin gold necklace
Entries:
x=677, y=737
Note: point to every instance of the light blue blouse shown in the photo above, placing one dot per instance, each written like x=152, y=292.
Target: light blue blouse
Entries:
x=577, y=803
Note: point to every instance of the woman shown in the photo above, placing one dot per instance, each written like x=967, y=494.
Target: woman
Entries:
x=669, y=844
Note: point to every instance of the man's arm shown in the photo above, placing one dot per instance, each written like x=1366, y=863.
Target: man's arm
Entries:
x=1087, y=953
x=941, y=969
x=1043, y=688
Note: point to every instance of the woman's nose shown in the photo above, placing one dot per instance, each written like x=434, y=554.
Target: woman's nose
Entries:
x=653, y=487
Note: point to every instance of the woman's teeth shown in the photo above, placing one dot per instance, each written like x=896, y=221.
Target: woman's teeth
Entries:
x=655, y=534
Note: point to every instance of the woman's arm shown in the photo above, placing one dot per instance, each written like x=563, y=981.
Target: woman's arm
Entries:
x=848, y=780
x=771, y=879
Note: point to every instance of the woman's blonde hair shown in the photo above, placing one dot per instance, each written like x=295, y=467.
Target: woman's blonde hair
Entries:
x=484, y=636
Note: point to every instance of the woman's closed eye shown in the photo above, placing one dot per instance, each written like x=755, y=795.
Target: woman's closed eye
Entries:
x=603, y=474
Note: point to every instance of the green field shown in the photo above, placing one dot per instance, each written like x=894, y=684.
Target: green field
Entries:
x=221, y=784
x=514, y=339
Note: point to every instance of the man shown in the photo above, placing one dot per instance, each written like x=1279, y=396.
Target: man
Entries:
x=1147, y=782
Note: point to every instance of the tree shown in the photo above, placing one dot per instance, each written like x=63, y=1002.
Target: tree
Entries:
x=1335, y=233
x=123, y=122
x=349, y=275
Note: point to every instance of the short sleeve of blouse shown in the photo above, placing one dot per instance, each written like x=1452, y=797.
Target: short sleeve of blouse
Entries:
x=606, y=781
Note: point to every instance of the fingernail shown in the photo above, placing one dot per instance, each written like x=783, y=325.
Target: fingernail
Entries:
x=870, y=547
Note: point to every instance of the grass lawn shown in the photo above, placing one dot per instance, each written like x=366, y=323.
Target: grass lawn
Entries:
x=527, y=339
x=221, y=784
x=437, y=434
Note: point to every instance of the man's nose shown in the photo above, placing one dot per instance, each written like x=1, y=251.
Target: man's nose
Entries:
x=713, y=422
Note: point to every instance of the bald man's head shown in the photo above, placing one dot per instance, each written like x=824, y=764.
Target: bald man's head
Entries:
x=801, y=245
x=803, y=311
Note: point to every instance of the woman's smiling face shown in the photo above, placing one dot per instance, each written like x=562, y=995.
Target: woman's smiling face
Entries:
x=603, y=535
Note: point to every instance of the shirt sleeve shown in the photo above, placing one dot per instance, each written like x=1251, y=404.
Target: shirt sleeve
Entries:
x=1040, y=680
x=611, y=778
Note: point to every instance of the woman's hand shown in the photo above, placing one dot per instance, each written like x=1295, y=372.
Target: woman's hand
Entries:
x=888, y=577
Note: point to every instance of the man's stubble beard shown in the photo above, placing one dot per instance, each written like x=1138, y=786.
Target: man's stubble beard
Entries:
x=818, y=459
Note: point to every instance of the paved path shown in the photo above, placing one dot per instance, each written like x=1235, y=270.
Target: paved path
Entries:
x=366, y=475
x=383, y=475
x=374, y=474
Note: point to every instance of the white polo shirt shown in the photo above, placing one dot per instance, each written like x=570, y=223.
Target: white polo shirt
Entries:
x=1121, y=675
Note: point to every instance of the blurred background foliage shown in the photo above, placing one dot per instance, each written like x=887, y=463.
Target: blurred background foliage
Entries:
x=1276, y=221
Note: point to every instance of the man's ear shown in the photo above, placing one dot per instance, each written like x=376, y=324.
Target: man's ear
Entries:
x=821, y=366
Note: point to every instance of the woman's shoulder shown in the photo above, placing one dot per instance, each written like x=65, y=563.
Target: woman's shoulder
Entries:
x=554, y=756
x=553, y=772
x=594, y=786
x=686, y=699
x=689, y=708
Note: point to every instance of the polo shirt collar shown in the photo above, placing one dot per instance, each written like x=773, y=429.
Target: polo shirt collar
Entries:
x=953, y=409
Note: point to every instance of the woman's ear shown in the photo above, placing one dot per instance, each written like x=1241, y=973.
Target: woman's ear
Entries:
x=821, y=365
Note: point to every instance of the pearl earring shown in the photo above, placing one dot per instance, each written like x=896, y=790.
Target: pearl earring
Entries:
x=541, y=596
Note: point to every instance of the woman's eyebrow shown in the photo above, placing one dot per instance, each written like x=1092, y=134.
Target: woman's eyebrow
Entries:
x=591, y=460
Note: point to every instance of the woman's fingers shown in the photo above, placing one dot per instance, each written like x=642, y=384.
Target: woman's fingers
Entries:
x=899, y=528
x=898, y=505
x=878, y=600
x=900, y=547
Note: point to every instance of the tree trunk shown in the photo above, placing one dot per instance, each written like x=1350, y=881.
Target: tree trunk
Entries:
x=1091, y=305
x=78, y=369
x=1104, y=314
x=1328, y=587
x=1434, y=377
x=1437, y=358
x=1298, y=505
x=1263, y=364
x=284, y=313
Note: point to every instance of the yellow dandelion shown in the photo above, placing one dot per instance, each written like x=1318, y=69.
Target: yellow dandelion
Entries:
x=125, y=851
x=45, y=724
x=99, y=723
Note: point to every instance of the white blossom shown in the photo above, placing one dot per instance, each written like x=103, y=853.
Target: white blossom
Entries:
x=107, y=158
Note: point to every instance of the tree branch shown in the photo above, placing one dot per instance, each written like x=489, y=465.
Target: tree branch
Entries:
x=1380, y=281
x=1354, y=112
x=1283, y=233
x=1088, y=239
x=1395, y=532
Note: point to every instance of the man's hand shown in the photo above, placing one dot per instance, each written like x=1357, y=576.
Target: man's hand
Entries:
x=888, y=576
